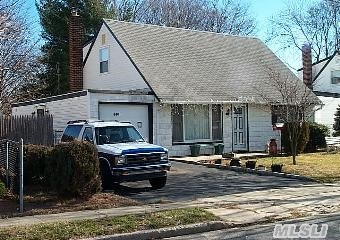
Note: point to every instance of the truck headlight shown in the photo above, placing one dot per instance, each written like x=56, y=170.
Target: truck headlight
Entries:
x=120, y=159
x=164, y=156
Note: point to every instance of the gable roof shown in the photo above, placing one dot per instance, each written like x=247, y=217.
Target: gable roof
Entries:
x=183, y=65
x=324, y=67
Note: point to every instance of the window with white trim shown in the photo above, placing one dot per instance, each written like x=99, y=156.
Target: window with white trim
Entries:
x=104, y=60
x=335, y=77
x=195, y=123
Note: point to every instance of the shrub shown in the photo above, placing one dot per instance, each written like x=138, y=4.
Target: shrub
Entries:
x=35, y=161
x=302, y=141
x=74, y=169
x=317, y=134
x=2, y=189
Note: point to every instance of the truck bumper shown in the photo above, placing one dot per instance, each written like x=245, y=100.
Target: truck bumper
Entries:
x=139, y=173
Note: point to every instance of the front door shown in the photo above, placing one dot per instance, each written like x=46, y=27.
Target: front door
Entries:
x=239, y=128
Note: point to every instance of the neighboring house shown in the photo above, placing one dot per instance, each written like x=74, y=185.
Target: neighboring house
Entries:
x=326, y=85
x=177, y=86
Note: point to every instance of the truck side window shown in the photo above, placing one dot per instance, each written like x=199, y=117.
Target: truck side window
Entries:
x=71, y=132
x=88, y=135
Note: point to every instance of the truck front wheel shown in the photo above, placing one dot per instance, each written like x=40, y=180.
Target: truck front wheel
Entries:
x=158, y=183
x=106, y=176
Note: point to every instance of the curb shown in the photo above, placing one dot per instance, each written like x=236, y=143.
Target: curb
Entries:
x=167, y=232
x=247, y=170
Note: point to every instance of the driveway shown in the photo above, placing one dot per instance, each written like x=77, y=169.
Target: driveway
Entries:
x=189, y=182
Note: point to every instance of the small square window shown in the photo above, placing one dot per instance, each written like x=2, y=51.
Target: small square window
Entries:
x=40, y=112
x=335, y=77
x=104, y=60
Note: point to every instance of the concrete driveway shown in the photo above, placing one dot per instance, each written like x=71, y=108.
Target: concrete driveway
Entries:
x=187, y=182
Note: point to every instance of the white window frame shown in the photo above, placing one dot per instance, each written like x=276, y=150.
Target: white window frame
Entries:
x=108, y=59
x=336, y=83
x=210, y=139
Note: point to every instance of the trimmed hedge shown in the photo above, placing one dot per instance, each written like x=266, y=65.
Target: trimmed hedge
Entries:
x=74, y=169
x=2, y=189
x=317, y=135
x=36, y=159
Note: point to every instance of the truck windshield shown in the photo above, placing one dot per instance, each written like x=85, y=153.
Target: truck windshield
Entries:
x=117, y=134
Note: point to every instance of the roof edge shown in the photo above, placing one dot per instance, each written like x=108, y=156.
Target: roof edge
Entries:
x=130, y=58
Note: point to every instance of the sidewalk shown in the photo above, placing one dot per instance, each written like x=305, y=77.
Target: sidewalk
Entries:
x=242, y=208
x=93, y=214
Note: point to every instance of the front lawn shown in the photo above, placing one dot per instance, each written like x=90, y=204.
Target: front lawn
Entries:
x=107, y=226
x=323, y=167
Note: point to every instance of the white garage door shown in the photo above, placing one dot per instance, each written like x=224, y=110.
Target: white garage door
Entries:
x=135, y=114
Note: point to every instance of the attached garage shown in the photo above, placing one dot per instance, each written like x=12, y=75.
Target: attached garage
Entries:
x=136, y=114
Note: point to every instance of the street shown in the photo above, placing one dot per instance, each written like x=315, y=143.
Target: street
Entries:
x=261, y=232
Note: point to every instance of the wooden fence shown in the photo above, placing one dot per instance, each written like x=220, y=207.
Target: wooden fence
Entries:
x=32, y=129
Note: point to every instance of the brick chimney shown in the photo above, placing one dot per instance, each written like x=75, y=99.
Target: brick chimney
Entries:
x=76, y=33
x=307, y=65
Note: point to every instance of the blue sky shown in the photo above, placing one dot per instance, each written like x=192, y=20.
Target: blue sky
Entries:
x=261, y=9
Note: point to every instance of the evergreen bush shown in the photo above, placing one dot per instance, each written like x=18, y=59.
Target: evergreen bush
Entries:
x=2, y=189
x=317, y=134
x=36, y=159
x=336, y=125
x=302, y=140
x=74, y=169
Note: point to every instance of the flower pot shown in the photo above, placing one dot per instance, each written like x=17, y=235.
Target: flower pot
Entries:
x=277, y=168
x=251, y=164
x=235, y=162
x=195, y=150
x=219, y=149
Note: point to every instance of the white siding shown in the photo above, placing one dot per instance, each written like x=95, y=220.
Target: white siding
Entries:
x=326, y=114
x=62, y=110
x=323, y=82
x=122, y=74
x=227, y=129
x=260, y=128
x=86, y=48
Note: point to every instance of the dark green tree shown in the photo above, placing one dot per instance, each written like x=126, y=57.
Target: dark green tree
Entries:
x=54, y=16
x=336, y=125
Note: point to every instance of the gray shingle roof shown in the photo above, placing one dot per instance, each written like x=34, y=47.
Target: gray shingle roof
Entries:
x=184, y=65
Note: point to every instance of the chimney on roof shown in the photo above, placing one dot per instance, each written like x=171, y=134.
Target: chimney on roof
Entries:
x=307, y=65
x=76, y=34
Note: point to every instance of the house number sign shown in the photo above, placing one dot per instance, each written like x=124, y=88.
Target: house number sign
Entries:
x=116, y=114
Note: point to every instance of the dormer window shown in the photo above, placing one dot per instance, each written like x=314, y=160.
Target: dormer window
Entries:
x=104, y=60
x=335, y=77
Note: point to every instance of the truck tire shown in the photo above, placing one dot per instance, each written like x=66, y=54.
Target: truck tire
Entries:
x=106, y=176
x=158, y=183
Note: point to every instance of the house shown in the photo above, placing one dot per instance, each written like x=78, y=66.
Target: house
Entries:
x=326, y=85
x=177, y=86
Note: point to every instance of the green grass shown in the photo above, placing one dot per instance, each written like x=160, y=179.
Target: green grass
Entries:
x=107, y=226
x=323, y=167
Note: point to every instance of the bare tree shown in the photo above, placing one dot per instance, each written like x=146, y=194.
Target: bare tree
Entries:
x=315, y=23
x=224, y=16
x=294, y=104
x=18, y=65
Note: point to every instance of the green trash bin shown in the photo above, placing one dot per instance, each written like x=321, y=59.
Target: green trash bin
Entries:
x=219, y=149
x=195, y=150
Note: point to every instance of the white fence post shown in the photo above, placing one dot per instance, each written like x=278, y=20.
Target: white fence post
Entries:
x=21, y=175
